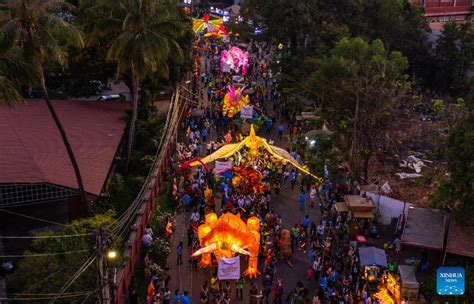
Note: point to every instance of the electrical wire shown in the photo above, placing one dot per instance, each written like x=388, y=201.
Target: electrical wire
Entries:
x=45, y=279
x=42, y=254
x=50, y=294
x=45, y=236
x=127, y=217
x=40, y=219
x=74, y=278
x=46, y=297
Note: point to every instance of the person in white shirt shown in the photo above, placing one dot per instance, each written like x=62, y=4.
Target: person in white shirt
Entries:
x=147, y=240
x=149, y=230
x=312, y=195
x=195, y=216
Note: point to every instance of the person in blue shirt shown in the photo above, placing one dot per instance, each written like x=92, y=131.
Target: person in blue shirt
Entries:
x=323, y=283
x=302, y=199
x=293, y=176
x=281, y=128
x=268, y=125
x=305, y=222
x=186, y=200
x=176, y=297
x=179, y=253
x=204, y=134
x=185, y=299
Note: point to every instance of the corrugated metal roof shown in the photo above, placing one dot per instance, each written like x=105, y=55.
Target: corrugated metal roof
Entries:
x=424, y=228
x=31, y=149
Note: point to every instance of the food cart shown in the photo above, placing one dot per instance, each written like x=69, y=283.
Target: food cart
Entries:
x=362, y=209
x=372, y=262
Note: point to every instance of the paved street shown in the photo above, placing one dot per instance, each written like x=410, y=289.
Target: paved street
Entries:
x=286, y=205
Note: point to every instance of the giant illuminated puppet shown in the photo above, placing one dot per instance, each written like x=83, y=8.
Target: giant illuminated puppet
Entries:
x=254, y=145
x=228, y=235
x=234, y=59
x=233, y=101
x=206, y=25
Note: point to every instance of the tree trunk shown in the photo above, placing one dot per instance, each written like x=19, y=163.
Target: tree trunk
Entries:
x=85, y=208
x=365, y=167
x=133, y=119
x=354, y=150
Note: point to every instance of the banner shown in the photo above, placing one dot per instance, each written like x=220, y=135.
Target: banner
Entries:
x=222, y=166
x=237, y=78
x=246, y=112
x=229, y=269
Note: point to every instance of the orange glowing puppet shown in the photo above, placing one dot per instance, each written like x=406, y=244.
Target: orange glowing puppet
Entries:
x=228, y=235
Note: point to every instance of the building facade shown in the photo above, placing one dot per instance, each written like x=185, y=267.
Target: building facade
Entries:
x=442, y=11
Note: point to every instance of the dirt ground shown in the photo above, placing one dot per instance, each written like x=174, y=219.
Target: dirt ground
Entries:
x=417, y=131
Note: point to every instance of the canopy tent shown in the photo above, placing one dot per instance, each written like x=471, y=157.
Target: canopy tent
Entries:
x=424, y=228
x=254, y=142
x=369, y=256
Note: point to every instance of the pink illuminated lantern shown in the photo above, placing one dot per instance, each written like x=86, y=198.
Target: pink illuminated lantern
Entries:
x=234, y=59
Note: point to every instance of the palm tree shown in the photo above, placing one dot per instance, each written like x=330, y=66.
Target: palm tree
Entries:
x=41, y=30
x=13, y=73
x=146, y=34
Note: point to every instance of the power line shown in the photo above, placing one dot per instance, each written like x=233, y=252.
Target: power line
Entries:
x=46, y=297
x=50, y=294
x=44, y=236
x=40, y=219
x=76, y=276
x=33, y=218
x=31, y=287
x=42, y=254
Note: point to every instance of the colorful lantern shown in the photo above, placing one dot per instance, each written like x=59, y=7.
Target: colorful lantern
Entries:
x=228, y=235
x=234, y=59
x=233, y=101
x=201, y=25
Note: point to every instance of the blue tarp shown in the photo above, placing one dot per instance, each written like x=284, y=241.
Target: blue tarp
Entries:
x=369, y=256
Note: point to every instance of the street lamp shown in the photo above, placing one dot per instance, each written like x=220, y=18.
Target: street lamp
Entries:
x=112, y=254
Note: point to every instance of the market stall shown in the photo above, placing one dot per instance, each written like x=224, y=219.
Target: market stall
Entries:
x=361, y=209
x=372, y=261
x=408, y=283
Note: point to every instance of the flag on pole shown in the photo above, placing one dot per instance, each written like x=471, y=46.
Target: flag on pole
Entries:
x=150, y=292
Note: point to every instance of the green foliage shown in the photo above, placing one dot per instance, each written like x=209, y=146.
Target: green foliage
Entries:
x=438, y=105
x=429, y=287
x=158, y=222
x=359, y=85
x=47, y=274
x=87, y=67
x=159, y=251
x=458, y=190
x=454, y=54
x=402, y=27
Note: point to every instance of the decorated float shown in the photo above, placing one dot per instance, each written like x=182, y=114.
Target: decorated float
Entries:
x=227, y=236
x=234, y=59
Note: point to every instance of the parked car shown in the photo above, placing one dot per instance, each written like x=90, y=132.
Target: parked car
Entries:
x=113, y=97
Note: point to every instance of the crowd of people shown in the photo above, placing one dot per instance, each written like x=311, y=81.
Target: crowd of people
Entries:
x=332, y=261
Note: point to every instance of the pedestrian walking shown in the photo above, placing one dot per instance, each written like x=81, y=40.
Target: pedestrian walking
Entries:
x=179, y=252
x=239, y=286
x=293, y=176
x=302, y=199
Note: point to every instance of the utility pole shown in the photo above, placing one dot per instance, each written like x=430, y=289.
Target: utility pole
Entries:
x=103, y=269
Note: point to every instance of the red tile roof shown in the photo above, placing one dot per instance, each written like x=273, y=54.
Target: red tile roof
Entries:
x=31, y=149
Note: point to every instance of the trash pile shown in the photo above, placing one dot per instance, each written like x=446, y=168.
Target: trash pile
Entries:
x=414, y=163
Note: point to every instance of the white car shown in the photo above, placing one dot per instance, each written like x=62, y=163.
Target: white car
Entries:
x=120, y=97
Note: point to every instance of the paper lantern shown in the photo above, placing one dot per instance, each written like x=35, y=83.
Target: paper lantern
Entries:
x=228, y=235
